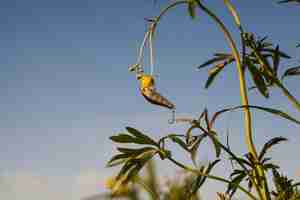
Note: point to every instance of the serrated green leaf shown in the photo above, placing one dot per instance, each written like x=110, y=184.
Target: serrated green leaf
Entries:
x=143, y=138
x=257, y=78
x=233, y=12
x=212, y=75
x=269, y=145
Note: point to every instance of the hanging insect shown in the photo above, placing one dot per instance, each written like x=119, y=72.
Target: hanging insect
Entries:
x=147, y=82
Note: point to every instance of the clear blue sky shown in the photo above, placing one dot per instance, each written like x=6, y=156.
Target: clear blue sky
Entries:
x=65, y=86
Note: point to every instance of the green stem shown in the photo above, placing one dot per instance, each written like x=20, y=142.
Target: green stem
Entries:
x=289, y=95
x=210, y=176
x=244, y=97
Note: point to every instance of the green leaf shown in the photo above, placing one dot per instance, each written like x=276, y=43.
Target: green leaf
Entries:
x=134, y=151
x=127, y=154
x=212, y=75
x=192, y=8
x=270, y=144
x=233, y=12
x=217, y=58
x=273, y=111
x=257, y=78
x=123, y=138
x=134, y=165
x=117, y=160
x=139, y=164
x=298, y=45
x=178, y=141
x=294, y=71
x=143, y=138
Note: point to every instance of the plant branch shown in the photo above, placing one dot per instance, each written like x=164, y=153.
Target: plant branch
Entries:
x=210, y=176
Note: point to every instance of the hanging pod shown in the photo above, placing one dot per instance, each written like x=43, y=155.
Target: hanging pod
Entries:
x=147, y=82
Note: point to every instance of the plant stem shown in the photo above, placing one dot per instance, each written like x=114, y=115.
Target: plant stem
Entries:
x=244, y=97
x=210, y=176
x=289, y=95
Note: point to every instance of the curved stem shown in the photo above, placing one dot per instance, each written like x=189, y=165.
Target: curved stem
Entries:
x=243, y=88
x=210, y=176
x=164, y=11
x=244, y=96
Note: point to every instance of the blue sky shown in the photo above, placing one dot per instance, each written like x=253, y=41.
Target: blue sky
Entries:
x=65, y=86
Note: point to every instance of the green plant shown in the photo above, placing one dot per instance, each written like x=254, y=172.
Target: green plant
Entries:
x=261, y=60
